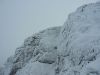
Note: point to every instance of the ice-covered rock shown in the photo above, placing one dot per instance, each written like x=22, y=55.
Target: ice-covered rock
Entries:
x=92, y=68
x=73, y=49
x=41, y=47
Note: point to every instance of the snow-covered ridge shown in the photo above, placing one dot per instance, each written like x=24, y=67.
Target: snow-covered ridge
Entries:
x=73, y=49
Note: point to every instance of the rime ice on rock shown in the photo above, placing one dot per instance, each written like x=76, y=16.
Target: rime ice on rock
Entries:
x=73, y=49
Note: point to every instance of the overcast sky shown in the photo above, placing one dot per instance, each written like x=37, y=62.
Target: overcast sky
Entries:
x=21, y=18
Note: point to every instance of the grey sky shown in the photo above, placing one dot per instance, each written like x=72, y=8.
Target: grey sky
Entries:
x=21, y=18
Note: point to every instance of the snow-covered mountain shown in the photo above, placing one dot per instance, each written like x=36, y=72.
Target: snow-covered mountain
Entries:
x=73, y=49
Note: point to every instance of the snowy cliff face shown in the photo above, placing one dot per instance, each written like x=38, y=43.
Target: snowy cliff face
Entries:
x=73, y=49
x=81, y=39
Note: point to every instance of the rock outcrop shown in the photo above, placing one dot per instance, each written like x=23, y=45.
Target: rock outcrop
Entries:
x=73, y=49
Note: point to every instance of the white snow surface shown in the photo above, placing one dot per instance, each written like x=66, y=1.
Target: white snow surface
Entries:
x=37, y=68
x=73, y=49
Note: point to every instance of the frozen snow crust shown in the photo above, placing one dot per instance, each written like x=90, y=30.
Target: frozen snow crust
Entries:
x=73, y=49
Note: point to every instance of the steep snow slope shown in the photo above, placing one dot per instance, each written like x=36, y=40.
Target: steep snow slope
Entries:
x=73, y=49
